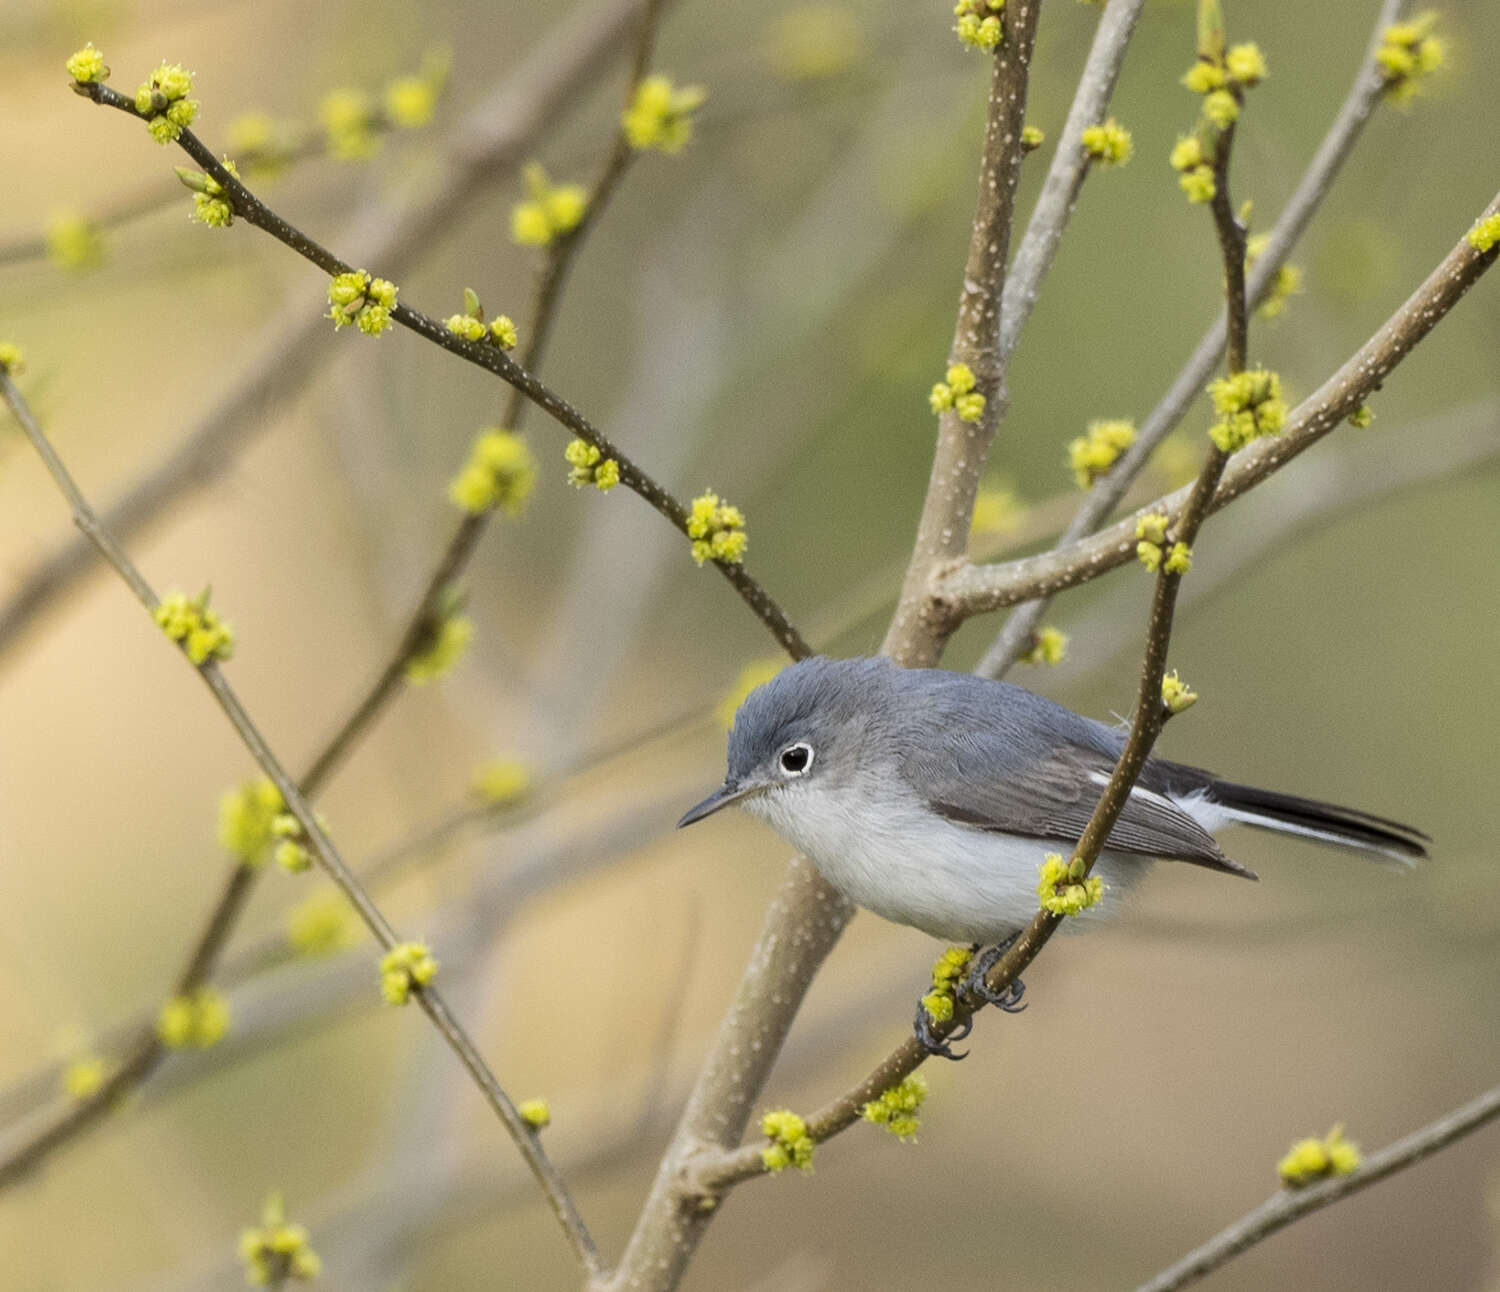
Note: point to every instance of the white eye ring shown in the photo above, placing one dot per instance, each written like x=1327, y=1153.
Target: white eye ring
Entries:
x=796, y=760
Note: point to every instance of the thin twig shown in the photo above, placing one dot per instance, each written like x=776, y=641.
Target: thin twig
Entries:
x=490, y=141
x=1281, y=1209
x=1364, y=96
x=428, y=997
x=491, y=358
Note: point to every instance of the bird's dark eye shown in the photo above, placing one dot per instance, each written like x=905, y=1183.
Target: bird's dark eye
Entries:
x=796, y=759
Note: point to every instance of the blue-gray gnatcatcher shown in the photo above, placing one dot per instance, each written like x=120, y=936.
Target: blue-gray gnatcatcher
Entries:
x=932, y=797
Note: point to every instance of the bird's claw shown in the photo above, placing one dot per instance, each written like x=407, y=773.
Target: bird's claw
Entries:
x=1008, y=998
x=939, y=1046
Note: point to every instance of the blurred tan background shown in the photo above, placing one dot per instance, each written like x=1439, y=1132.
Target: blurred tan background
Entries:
x=762, y=314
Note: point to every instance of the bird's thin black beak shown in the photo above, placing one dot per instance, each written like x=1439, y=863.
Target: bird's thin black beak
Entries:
x=720, y=798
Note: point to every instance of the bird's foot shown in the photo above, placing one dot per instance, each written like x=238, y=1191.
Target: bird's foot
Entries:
x=1008, y=998
x=940, y=1046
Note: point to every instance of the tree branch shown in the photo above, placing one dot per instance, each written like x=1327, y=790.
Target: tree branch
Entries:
x=428, y=997
x=1358, y=106
x=1282, y=1208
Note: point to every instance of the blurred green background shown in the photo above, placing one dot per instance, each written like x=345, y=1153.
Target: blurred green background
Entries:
x=762, y=314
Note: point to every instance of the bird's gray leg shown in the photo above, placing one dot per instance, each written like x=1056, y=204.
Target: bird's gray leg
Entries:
x=937, y=1045
x=1009, y=999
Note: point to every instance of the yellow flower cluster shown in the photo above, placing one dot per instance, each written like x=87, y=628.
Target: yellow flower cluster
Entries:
x=163, y=101
x=1151, y=549
x=277, y=1251
x=292, y=853
x=85, y=1077
x=1485, y=233
x=1032, y=138
x=12, y=361
x=790, y=1144
x=1049, y=645
x=588, y=466
x=471, y=325
x=1064, y=889
x=550, y=210
x=86, y=65
x=947, y=970
x=536, y=1113
x=1091, y=455
x=196, y=627
x=897, y=1108
x=444, y=643
x=717, y=529
x=74, y=241
x=500, y=472
x=348, y=119
x=978, y=24
x=756, y=673
x=1222, y=79
x=245, y=818
x=198, y=1021
x=1361, y=417
x=1108, y=143
x=660, y=115
x=1409, y=53
x=407, y=965
x=502, y=780
x=321, y=924
x=1287, y=282
x=1249, y=405
x=1310, y=1160
x=956, y=391
x=357, y=298
x=1176, y=694
x=210, y=206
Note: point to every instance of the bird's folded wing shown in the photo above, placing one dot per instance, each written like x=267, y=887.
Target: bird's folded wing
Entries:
x=1052, y=797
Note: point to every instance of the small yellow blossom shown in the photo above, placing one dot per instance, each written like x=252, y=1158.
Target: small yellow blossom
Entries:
x=1485, y=233
x=550, y=210
x=503, y=332
x=957, y=392
x=1048, y=646
x=348, y=120
x=1245, y=63
x=1222, y=108
x=1108, y=143
x=1199, y=184
x=978, y=25
x=790, y=1144
x=277, y=1251
x=322, y=924
x=1361, y=417
x=1187, y=153
x=536, y=1113
x=444, y=645
x=1032, y=138
x=1065, y=889
x=717, y=529
x=588, y=466
x=12, y=360
x=410, y=102
x=246, y=814
x=1152, y=527
x=210, y=205
x=1179, y=560
x=86, y=66
x=1249, y=404
x=1310, y=1160
x=74, y=242
x=195, y=626
x=291, y=852
x=756, y=673
x=1091, y=455
x=1176, y=694
x=471, y=329
x=403, y=967
x=1204, y=77
x=997, y=510
x=500, y=472
x=660, y=115
x=897, y=1109
x=502, y=780
x=198, y=1021
x=163, y=101
x=85, y=1077
x=947, y=972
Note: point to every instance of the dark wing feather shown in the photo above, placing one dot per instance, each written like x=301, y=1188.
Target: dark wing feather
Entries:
x=1053, y=798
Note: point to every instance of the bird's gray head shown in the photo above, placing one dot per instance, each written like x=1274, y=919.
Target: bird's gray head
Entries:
x=804, y=729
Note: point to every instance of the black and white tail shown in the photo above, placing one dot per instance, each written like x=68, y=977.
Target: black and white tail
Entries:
x=1328, y=823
